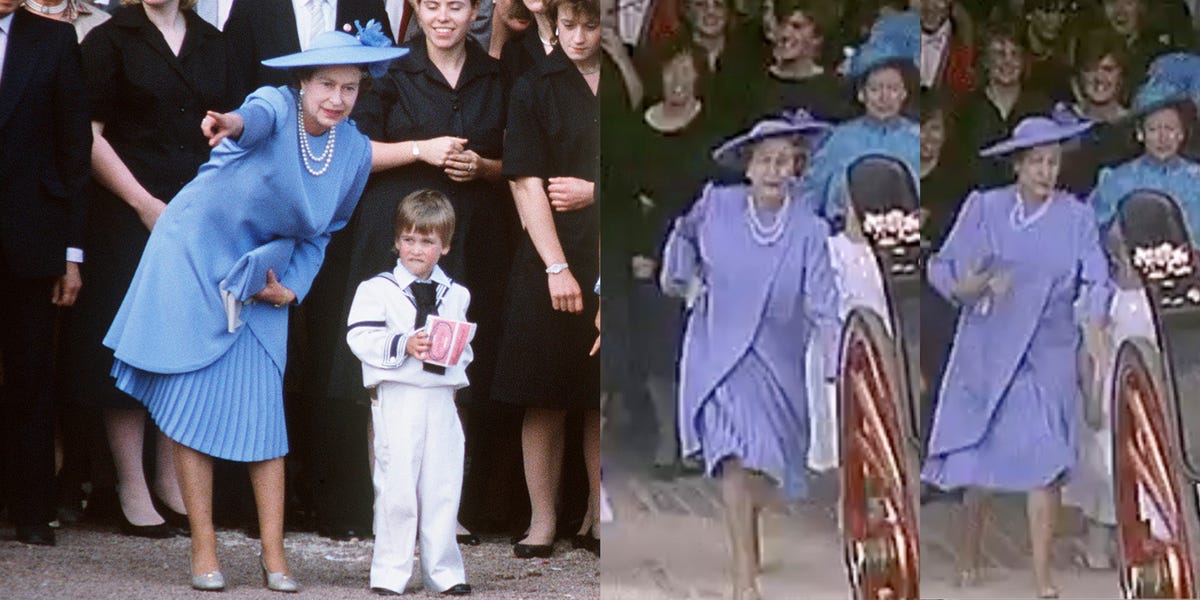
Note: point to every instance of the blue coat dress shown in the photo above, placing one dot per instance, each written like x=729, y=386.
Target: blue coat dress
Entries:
x=1177, y=177
x=826, y=183
x=253, y=205
x=742, y=372
x=1010, y=405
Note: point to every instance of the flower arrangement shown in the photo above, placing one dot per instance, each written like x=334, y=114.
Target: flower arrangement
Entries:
x=893, y=228
x=1163, y=261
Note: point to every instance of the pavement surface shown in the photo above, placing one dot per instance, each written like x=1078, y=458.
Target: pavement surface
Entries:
x=94, y=562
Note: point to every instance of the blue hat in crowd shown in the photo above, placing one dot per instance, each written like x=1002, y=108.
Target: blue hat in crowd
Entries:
x=1032, y=132
x=1156, y=95
x=894, y=41
x=734, y=152
x=371, y=47
x=1178, y=68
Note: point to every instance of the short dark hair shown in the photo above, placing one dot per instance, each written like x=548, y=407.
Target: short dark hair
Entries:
x=426, y=212
x=587, y=8
x=933, y=103
x=1097, y=44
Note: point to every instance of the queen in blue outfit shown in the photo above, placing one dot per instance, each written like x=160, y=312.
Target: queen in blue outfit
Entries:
x=1017, y=262
x=754, y=263
x=201, y=336
x=881, y=70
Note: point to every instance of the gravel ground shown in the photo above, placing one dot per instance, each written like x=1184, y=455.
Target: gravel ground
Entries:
x=97, y=563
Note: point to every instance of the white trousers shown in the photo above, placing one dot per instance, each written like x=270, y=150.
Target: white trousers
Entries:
x=418, y=481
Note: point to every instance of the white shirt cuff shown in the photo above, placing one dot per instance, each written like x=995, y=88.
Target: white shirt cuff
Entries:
x=74, y=255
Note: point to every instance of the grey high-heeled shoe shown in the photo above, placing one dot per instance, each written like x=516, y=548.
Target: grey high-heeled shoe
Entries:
x=209, y=582
x=277, y=582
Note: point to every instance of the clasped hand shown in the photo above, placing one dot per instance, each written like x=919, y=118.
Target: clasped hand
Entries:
x=418, y=345
x=983, y=280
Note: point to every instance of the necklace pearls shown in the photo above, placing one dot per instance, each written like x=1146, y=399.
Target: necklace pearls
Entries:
x=47, y=10
x=322, y=160
x=1020, y=220
x=767, y=234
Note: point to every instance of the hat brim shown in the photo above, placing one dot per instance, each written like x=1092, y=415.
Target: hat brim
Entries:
x=339, y=55
x=1176, y=100
x=733, y=153
x=1058, y=136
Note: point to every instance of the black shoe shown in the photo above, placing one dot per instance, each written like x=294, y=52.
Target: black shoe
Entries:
x=35, y=535
x=586, y=542
x=533, y=550
x=161, y=531
x=461, y=589
x=378, y=591
x=468, y=539
x=177, y=521
x=517, y=537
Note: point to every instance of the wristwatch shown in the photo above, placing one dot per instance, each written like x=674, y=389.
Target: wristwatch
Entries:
x=416, y=149
x=556, y=268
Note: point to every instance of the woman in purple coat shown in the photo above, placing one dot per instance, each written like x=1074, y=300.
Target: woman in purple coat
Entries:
x=752, y=259
x=1025, y=268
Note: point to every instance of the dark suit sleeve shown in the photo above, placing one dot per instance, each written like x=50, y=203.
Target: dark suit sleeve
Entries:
x=101, y=65
x=239, y=46
x=73, y=133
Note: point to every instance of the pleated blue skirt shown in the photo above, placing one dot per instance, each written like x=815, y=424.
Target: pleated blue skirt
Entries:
x=231, y=409
x=751, y=418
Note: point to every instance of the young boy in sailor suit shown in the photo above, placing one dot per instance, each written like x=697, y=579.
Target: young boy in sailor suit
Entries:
x=418, y=437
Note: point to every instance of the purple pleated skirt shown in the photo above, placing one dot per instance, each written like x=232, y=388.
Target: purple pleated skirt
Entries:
x=231, y=409
x=751, y=418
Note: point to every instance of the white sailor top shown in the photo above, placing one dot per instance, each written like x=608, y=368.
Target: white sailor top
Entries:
x=382, y=318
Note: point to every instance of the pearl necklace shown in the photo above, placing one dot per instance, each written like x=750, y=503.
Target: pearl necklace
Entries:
x=47, y=10
x=306, y=154
x=1020, y=220
x=766, y=234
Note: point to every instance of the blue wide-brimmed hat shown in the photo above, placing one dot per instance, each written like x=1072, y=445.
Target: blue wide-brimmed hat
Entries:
x=371, y=47
x=1032, y=132
x=1156, y=95
x=733, y=153
x=1177, y=68
x=894, y=41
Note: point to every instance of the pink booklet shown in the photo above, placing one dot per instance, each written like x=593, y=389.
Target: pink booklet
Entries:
x=447, y=339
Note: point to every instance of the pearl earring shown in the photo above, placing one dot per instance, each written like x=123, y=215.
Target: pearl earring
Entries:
x=1141, y=137
x=301, y=92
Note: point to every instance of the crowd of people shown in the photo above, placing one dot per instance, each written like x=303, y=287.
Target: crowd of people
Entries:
x=193, y=193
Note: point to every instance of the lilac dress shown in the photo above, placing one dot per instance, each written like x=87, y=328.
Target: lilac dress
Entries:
x=742, y=373
x=1010, y=406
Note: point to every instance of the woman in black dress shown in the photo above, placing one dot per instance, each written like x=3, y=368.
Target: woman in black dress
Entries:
x=552, y=160
x=152, y=71
x=798, y=77
x=530, y=47
x=445, y=102
x=673, y=144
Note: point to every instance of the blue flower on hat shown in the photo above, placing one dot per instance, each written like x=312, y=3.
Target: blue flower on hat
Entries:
x=1178, y=68
x=372, y=35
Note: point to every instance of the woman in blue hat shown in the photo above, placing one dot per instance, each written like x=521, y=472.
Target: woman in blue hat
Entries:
x=753, y=262
x=882, y=70
x=1162, y=115
x=201, y=336
x=1015, y=264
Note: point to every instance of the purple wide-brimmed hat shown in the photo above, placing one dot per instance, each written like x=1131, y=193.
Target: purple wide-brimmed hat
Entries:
x=733, y=153
x=1032, y=132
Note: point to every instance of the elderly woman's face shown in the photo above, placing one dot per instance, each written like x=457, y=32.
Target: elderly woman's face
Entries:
x=329, y=95
x=679, y=80
x=797, y=38
x=933, y=136
x=1005, y=62
x=934, y=14
x=1163, y=134
x=1102, y=82
x=446, y=22
x=708, y=16
x=1125, y=16
x=1037, y=171
x=773, y=161
x=884, y=93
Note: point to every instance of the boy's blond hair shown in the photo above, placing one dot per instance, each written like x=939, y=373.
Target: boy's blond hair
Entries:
x=425, y=211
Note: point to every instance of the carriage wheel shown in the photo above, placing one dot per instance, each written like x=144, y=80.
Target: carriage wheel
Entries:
x=1154, y=563
x=879, y=527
